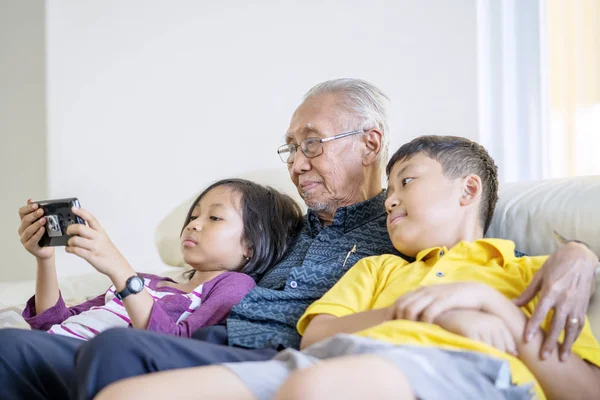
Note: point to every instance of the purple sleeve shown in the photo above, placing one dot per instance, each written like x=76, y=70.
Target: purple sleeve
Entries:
x=57, y=313
x=219, y=295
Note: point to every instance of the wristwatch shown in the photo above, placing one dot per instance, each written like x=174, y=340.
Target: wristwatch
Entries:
x=134, y=285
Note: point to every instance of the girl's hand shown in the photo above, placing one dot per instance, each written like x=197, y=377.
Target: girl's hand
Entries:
x=479, y=326
x=93, y=245
x=32, y=229
x=427, y=303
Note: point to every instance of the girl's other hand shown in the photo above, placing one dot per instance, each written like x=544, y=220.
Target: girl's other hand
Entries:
x=93, y=245
x=32, y=229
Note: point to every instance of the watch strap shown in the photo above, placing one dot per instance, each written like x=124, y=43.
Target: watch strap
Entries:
x=127, y=291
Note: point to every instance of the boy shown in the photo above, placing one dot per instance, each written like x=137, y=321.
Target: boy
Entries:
x=442, y=326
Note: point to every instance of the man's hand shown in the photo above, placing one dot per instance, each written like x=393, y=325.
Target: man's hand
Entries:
x=565, y=284
x=479, y=326
x=93, y=245
x=428, y=302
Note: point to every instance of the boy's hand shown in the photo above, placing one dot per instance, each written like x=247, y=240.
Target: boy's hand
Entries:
x=93, y=244
x=480, y=326
x=427, y=303
x=32, y=229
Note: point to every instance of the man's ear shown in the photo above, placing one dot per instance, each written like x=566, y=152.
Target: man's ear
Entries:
x=373, y=140
x=472, y=189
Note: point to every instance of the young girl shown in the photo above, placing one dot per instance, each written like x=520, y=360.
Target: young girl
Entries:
x=234, y=230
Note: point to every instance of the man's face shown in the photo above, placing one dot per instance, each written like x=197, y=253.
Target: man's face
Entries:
x=423, y=205
x=335, y=178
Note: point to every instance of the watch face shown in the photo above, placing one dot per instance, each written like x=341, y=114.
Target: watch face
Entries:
x=136, y=284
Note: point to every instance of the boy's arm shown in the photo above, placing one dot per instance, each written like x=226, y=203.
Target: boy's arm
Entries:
x=347, y=306
x=323, y=326
x=573, y=378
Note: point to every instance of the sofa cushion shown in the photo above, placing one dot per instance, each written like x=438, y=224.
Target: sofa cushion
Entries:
x=529, y=212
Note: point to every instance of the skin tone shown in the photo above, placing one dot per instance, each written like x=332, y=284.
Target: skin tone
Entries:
x=421, y=199
x=470, y=309
x=347, y=172
x=565, y=285
x=331, y=181
x=212, y=243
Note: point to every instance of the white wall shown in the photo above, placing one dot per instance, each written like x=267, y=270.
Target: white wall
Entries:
x=148, y=101
x=22, y=126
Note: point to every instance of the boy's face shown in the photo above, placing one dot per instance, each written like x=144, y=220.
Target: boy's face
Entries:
x=423, y=205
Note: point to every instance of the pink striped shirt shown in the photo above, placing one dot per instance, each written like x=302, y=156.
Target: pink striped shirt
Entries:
x=173, y=312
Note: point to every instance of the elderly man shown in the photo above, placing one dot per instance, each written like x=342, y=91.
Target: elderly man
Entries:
x=335, y=148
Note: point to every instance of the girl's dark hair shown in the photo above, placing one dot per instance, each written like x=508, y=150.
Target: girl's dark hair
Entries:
x=271, y=222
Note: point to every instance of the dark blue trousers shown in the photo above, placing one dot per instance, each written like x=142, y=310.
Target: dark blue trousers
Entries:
x=122, y=353
x=36, y=365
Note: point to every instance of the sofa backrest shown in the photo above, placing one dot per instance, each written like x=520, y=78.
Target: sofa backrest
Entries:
x=529, y=212
x=526, y=213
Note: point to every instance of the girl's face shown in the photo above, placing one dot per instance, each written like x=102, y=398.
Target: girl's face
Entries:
x=213, y=239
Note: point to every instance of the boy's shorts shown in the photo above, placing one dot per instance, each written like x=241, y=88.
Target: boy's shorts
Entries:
x=433, y=373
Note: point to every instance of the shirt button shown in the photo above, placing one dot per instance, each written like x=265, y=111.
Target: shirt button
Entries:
x=321, y=239
x=442, y=253
x=245, y=306
x=293, y=284
x=439, y=274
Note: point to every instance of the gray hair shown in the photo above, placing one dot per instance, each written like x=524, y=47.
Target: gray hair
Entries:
x=367, y=104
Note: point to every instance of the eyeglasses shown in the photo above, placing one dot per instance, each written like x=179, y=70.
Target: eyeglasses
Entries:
x=311, y=147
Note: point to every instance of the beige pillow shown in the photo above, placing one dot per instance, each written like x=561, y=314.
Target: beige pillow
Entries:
x=10, y=317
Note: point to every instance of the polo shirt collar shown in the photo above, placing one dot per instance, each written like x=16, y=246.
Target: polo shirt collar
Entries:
x=504, y=248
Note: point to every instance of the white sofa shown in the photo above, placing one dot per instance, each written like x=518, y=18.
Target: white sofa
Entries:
x=527, y=213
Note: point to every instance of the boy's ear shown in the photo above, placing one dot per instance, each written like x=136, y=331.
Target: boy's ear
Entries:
x=373, y=140
x=472, y=189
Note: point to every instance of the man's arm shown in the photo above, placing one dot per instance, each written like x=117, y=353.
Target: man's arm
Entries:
x=573, y=378
x=564, y=240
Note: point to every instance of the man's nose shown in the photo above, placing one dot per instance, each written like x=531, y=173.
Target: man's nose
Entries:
x=300, y=163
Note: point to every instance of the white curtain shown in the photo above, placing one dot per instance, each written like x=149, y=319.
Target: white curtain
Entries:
x=512, y=87
x=573, y=28
x=539, y=86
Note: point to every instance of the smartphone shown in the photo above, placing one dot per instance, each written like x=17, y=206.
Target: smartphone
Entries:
x=58, y=216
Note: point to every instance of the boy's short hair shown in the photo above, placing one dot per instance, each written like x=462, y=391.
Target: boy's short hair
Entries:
x=459, y=157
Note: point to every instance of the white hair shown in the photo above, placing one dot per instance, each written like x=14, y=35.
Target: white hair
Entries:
x=366, y=103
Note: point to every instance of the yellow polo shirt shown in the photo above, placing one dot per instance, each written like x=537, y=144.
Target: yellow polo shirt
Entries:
x=376, y=282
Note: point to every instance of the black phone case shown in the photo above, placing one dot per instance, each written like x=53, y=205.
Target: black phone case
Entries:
x=58, y=217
